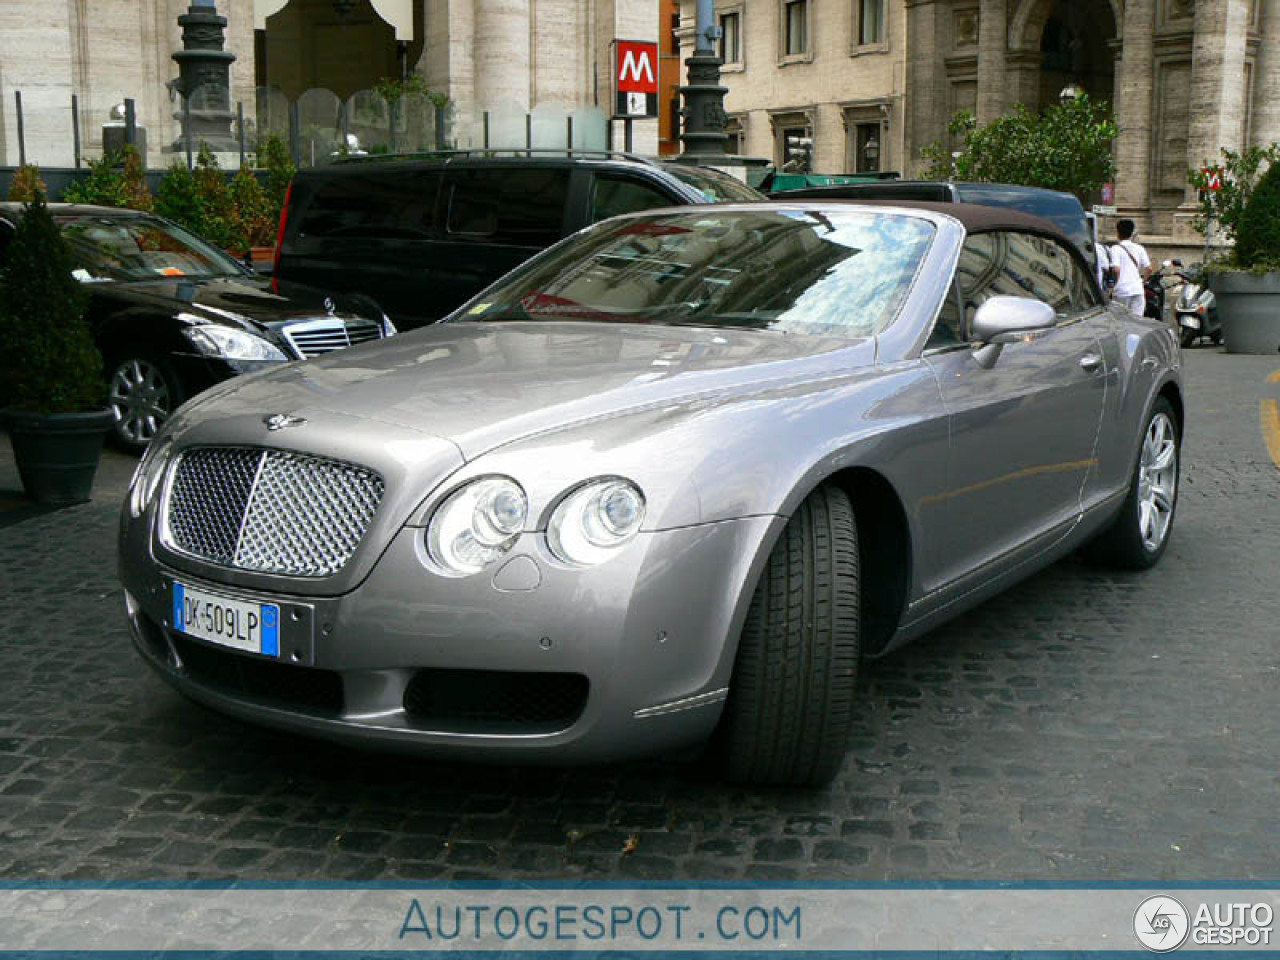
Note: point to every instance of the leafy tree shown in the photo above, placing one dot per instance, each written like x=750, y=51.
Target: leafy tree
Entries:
x=48, y=361
x=26, y=184
x=1238, y=176
x=1067, y=147
x=1258, y=230
x=116, y=180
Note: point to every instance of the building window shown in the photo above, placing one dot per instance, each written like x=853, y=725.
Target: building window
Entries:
x=797, y=150
x=795, y=15
x=731, y=38
x=870, y=30
x=868, y=147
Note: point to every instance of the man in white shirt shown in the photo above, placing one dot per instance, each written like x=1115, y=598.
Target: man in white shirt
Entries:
x=1134, y=266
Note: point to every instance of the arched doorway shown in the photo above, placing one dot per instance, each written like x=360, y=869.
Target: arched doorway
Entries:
x=337, y=45
x=1074, y=43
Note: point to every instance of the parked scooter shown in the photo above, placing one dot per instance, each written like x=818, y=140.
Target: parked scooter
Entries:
x=1197, y=308
x=1154, y=290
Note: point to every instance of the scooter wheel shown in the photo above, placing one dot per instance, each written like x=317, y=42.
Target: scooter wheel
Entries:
x=1187, y=338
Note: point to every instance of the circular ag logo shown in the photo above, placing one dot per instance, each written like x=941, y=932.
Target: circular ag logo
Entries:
x=1161, y=924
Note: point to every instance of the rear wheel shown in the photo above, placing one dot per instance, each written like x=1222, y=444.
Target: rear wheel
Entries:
x=142, y=393
x=791, y=699
x=1139, y=535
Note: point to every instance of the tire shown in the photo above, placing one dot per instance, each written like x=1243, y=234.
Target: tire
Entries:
x=1187, y=337
x=142, y=392
x=791, y=698
x=1138, y=538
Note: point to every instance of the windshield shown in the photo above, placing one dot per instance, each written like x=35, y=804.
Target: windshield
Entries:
x=831, y=273
x=106, y=247
x=715, y=186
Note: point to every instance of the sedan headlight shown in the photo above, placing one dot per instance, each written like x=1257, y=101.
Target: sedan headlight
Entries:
x=594, y=520
x=147, y=476
x=214, y=340
x=477, y=524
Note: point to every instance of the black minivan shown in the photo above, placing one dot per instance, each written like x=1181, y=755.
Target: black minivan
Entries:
x=421, y=236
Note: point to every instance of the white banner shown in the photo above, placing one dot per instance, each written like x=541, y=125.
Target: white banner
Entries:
x=650, y=918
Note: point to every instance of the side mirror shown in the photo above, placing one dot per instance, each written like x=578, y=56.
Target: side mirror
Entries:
x=1002, y=320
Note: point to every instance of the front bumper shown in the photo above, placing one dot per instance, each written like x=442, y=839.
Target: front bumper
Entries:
x=649, y=636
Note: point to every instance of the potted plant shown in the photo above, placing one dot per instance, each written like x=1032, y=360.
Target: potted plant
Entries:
x=1246, y=282
x=51, y=384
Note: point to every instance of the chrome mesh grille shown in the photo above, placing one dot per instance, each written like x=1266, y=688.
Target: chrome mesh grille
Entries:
x=270, y=511
x=210, y=492
x=315, y=337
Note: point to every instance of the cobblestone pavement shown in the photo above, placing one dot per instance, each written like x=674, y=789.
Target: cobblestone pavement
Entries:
x=1084, y=725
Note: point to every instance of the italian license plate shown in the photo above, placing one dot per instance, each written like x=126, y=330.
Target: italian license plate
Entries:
x=244, y=625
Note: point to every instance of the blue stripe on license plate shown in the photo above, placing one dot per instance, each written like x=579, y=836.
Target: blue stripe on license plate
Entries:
x=271, y=630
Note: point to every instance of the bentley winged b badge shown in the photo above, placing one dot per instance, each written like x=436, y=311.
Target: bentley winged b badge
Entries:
x=278, y=421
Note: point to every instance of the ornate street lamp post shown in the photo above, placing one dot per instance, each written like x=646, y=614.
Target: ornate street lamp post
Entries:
x=204, y=78
x=704, y=116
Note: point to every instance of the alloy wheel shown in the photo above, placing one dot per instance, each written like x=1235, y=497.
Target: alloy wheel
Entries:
x=1157, y=481
x=140, y=400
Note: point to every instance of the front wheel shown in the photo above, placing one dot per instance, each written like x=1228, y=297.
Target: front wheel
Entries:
x=1187, y=337
x=791, y=698
x=142, y=393
x=1139, y=535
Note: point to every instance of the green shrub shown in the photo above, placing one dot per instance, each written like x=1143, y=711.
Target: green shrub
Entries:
x=178, y=200
x=48, y=361
x=274, y=155
x=116, y=180
x=215, y=200
x=1258, y=233
x=1237, y=176
x=251, y=211
x=26, y=184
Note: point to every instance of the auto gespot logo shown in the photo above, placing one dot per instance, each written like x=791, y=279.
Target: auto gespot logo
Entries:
x=1162, y=924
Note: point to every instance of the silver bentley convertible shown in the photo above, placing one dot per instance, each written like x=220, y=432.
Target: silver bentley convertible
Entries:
x=666, y=484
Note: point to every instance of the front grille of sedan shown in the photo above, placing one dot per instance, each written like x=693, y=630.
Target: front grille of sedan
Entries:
x=495, y=701
x=269, y=511
x=312, y=338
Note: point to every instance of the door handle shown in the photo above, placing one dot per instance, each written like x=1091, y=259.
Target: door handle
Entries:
x=1090, y=362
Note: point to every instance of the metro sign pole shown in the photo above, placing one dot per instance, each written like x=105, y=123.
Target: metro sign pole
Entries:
x=635, y=83
x=704, y=116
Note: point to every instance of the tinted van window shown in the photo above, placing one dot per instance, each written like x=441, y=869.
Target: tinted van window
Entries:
x=396, y=204
x=522, y=207
x=611, y=196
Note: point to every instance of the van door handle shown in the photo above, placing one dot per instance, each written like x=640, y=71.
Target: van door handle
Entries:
x=1090, y=362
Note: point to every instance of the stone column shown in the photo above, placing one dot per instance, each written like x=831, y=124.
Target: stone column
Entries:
x=993, y=45
x=501, y=54
x=1218, y=96
x=1134, y=109
x=1266, y=100
x=926, y=108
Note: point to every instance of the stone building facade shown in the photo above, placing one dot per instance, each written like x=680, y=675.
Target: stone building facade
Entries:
x=508, y=57
x=1184, y=77
x=829, y=71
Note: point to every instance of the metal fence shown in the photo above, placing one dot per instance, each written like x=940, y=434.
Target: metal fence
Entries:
x=318, y=127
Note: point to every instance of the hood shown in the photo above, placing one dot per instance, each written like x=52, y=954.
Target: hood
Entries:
x=481, y=385
x=227, y=299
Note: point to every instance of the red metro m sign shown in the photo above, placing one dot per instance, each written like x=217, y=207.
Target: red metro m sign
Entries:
x=635, y=78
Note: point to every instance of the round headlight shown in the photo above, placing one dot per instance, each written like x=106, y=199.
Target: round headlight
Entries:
x=476, y=524
x=595, y=520
x=147, y=477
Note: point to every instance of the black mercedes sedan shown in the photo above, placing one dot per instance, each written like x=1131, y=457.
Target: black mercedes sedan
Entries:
x=174, y=315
